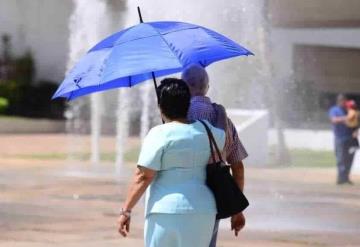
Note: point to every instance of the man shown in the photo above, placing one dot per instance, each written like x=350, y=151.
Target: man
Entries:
x=344, y=137
x=201, y=107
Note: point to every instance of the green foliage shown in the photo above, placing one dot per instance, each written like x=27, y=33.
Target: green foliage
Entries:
x=311, y=158
x=24, y=69
x=31, y=100
x=306, y=158
x=12, y=91
x=26, y=98
x=4, y=103
x=36, y=101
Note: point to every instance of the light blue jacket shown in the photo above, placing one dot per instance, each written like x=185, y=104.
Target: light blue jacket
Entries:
x=180, y=153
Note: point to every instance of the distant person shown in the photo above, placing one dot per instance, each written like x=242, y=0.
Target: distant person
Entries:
x=180, y=208
x=203, y=108
x=352, y=117
x=352, y=121
x=345, y=137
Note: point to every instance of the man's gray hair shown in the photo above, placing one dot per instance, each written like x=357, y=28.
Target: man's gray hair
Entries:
x=196, y=78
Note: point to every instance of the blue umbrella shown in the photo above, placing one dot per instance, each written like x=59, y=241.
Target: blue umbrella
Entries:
x=146, y=51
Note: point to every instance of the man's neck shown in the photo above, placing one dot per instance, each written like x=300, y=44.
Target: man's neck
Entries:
x=198, y=95
x=200, y=98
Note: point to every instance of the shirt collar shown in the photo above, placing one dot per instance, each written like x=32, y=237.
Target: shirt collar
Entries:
x=200, y=99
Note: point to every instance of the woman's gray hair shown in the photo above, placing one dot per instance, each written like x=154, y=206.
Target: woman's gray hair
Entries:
x=197, y=79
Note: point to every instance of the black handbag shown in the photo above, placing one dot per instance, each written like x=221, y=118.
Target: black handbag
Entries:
x=352, y=143
x=229, y=198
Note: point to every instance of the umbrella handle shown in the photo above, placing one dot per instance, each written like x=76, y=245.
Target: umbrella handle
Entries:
x=157, y=92
x=155, y=86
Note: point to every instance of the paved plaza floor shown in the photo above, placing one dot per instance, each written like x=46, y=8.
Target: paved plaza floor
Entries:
x=72, y=203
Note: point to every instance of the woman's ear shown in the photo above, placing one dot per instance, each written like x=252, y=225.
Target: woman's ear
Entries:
x=161, y=113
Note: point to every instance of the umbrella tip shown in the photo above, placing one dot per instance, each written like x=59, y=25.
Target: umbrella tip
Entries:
x=140, y=16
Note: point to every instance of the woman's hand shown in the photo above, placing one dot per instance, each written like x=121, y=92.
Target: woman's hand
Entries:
x=237, y=223
x=142, y=178
x=124, y=225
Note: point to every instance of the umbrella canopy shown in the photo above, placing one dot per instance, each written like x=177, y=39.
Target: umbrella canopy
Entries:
x=140, y=52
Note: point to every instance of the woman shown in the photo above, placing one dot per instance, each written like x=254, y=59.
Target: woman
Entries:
x=180, y=209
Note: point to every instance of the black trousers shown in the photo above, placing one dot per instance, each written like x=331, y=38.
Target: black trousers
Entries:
x=344, y=158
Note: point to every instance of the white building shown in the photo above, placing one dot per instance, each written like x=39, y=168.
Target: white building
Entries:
x=318, y=42
x=40, y=26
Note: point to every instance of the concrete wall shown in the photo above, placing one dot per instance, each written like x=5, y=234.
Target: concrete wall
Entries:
x=315, y=13
x=328, y=69
x=42, y=27
x=284, y=42
x=252, y=127
x=321, y=140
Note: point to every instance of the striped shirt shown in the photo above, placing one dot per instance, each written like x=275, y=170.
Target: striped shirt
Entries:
x=201, y=107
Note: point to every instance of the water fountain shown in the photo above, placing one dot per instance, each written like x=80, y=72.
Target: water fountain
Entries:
x=122, y=127
x=146, y=105
x=85, y=30
x=242, y=75
x=88, y=24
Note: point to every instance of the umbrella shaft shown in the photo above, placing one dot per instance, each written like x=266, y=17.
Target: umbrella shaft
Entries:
x=155, y=85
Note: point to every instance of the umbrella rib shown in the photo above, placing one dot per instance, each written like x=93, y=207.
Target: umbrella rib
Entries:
x=112, y=44
x=158, y=34
x=128, y=41
x=169, y=46
x=179, y=30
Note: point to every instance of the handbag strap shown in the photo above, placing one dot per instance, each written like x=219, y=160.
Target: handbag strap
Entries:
x=212, y=143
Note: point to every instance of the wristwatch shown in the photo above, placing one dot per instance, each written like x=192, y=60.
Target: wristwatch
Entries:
x=126, y=213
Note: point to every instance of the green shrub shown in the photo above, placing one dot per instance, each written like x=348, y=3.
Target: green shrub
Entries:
x=4, y=103
x=12, y=91
x=36, y=101
x=32, y=100
x=24, y=69
x=25, y=97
